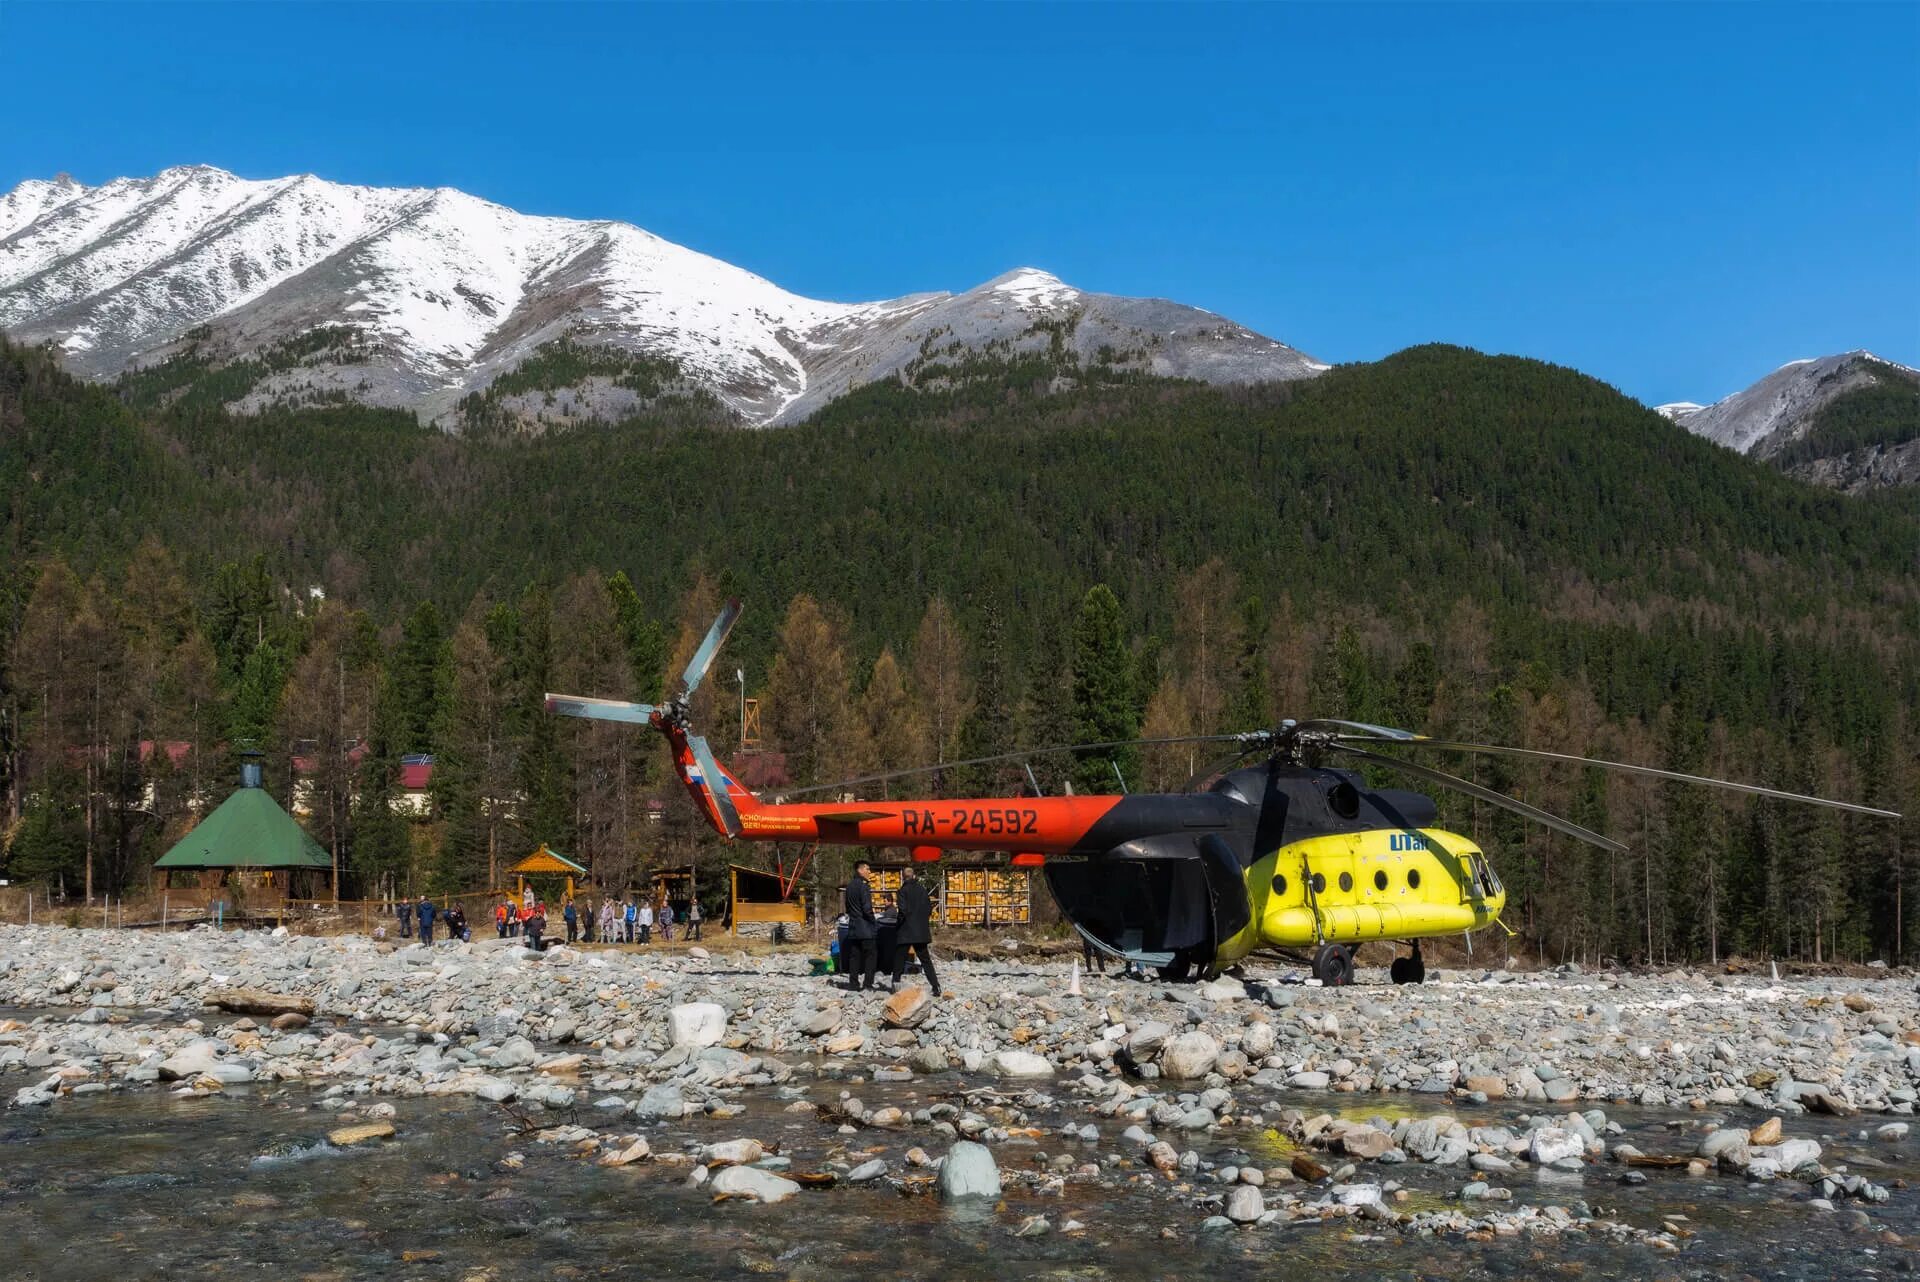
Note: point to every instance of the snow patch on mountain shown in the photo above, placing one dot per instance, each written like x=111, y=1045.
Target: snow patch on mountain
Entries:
x=448, y=291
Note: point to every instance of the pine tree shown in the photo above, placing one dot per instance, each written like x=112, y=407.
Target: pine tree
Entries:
x=1103, y=700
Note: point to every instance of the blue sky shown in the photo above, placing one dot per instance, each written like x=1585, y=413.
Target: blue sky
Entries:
x=1675, y=199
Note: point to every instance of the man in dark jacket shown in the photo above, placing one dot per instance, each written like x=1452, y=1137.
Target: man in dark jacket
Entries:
x=425, y=912
x=915, y=931
x=863, y=930
x=573, y=921
x=406, y=919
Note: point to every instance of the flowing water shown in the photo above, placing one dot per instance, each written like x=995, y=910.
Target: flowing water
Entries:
x=139, y=1183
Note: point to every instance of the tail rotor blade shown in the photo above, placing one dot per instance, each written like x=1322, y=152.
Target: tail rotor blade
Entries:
x=703, y=657
x=576, y=705
x=715, y=783
x=1487, y=795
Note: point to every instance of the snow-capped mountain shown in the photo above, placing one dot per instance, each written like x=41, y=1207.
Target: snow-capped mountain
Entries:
x=415, y=297
x=1775, y=417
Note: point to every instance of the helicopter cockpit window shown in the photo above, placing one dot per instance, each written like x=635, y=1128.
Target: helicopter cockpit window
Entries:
x=1483, y=873
x=1345, y=799
x=1413, y=879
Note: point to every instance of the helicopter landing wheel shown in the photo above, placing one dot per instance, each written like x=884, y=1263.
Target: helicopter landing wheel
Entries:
x=1409, y=970
x=1333, y=965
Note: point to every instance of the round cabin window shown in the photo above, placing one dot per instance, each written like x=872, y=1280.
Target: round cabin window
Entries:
x=1319, y=884
x=1380, y=879
x=1346, y=881
x=1279, y=885
x=1413, y=879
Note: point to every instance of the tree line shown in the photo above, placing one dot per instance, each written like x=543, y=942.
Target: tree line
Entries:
x=1478, y=547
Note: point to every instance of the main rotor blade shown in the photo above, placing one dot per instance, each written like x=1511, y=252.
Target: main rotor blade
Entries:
x=1754, y=789
x=1488, y=795
x=703, y=657
x=1217, y=767
x=715, y=783
x=1009, y=756
x=1372, y=731
x=579, y=705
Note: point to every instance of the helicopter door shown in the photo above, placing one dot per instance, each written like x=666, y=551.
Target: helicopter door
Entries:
x=1227, y=886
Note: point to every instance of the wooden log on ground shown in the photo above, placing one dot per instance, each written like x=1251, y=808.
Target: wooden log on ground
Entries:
x=256, y=1001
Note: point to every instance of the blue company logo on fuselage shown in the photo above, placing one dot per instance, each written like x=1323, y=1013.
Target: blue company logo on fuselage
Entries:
x=1406, y=841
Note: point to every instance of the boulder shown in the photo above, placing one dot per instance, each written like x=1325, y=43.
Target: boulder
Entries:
x=732, y=1153
x=256, y=1001
x=1551, y=1143
x=632, y=1153
x=1789, y=1155
x=907, y=1008
x=663, y=1100
x=697, y=1024
x=1768, y=1132
x=495, y=1090
x=1488, y=1085
x=1188, y=1056
x=1245, y=1205
x=1365, y=1142
x=1148, y=1038
x=968, y=1172
x=1311, y=1080
x=752, y=1182
x=1258, y=1040
x=348, y=1136
x=1021, y=1064
x=190, y=1061
x=1725, y=1140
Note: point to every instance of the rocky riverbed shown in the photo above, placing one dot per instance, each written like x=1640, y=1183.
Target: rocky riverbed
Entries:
x=1600, y=1109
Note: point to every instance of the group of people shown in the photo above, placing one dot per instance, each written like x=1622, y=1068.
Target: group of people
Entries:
x=525, y=918
x=424, y=912
x=633, y=920
x=913, y=932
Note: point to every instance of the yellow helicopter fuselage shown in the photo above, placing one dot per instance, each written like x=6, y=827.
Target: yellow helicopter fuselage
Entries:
x=1350, y=888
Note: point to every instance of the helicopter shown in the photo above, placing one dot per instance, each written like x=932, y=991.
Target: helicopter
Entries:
x=1293, y=851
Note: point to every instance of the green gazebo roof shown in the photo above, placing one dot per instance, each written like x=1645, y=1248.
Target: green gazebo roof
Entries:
x=247, y=830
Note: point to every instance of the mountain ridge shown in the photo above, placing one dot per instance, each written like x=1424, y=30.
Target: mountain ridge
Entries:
x=445, y=292
x=1850, y=421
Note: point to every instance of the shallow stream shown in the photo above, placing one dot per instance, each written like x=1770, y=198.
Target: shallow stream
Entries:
x=140, y=1183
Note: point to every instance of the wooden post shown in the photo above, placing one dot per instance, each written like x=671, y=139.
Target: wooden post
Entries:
x=163, y=912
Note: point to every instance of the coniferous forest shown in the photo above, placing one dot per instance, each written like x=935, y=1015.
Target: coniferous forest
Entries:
x=948, y=566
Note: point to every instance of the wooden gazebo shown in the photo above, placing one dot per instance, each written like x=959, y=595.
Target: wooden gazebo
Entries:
x=544, y=863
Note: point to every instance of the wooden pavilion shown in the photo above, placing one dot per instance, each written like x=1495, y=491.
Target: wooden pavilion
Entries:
x=544, y=863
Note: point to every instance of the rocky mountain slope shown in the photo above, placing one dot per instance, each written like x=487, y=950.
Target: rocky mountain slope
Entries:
x=1850, y=421
x=417, y=298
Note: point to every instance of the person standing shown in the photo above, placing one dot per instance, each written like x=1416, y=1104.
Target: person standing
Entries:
x=863, y=931
x=609, y=933
x=425, y=912
x=644, y=918
x=693, y=920
x=664, y=916
x=536, y=926
x=632, y=915
x=915, y=931
x=405, y=910
x=572, y=919
x=500, y=918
